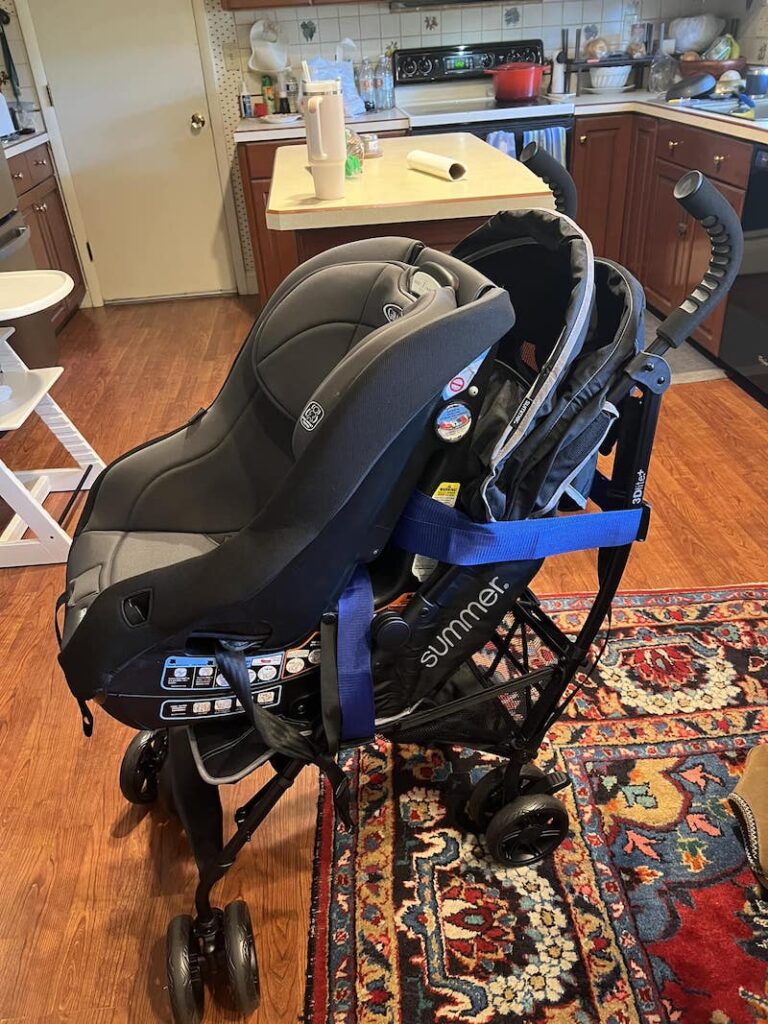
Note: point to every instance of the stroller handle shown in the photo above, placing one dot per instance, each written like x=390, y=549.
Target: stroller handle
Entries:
x=711, y=209
x=552, y=173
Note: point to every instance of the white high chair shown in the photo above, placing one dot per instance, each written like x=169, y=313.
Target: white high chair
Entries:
x=21, y=294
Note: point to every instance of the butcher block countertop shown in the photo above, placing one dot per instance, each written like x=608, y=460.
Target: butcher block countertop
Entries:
x=388, y=192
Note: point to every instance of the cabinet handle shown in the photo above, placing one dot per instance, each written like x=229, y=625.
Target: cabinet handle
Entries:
x=41, y=163
x=18, y=176
x=682, y=229
x=40, y=207
x=672, y=145
x=582, y=139
x=719, y=160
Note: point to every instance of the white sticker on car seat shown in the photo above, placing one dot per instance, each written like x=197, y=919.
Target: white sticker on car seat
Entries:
x=312, y=415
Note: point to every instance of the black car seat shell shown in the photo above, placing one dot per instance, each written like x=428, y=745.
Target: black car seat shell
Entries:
x=250, y=518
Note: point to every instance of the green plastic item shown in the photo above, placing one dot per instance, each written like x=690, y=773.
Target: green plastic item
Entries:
x=352, y=167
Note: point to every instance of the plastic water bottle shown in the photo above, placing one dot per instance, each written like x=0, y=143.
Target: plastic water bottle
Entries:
x=367, y=87
x=385, y=98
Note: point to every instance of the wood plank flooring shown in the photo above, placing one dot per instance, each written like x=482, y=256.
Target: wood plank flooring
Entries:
x=88, y=884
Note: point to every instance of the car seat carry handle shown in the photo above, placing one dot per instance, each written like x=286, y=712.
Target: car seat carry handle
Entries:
x=711, y=209
x=552, y=173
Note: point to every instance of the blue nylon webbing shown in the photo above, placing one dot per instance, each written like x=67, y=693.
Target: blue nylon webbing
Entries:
x=353, y=657
x=427, y=527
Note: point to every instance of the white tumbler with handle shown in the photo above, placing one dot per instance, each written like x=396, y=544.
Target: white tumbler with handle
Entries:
x=326, y=141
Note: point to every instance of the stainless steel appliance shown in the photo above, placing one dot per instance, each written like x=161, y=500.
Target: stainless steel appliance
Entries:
x=744, y=342
x=446, y=89
x=34, y=338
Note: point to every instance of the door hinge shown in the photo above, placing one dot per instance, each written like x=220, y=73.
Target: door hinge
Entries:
x=50, y=94
x=89, y=250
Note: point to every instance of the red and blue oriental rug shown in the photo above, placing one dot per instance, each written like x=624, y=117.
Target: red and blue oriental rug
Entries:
x=646, y=914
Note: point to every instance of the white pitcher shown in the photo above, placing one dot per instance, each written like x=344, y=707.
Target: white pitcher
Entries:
x=326, y=141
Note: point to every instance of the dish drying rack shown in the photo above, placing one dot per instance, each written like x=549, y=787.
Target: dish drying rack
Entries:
x=578, y=63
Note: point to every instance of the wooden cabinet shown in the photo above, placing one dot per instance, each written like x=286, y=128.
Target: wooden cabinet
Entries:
x=639, y=202
x=599, y=165
x=43, y=210
x=625, y=176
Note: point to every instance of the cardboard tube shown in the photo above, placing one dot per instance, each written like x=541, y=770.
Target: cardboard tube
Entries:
x=433, y=163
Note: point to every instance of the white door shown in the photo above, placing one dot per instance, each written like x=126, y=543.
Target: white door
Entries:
x=126, y=81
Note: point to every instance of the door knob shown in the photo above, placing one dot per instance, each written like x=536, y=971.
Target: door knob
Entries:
x=672, y=144
x=682, y=229
x=582, y=139
x=197, y=121
x=719, y=161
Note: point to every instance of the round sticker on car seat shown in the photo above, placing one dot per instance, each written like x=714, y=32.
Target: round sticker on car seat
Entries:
x=453, y=421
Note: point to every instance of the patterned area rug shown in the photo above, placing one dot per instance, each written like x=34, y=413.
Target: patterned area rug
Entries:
x=646, y=913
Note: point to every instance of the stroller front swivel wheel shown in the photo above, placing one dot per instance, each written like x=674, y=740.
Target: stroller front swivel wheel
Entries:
x=183, y=963
x=240, y=951
x=527, y=830
x=141, y=764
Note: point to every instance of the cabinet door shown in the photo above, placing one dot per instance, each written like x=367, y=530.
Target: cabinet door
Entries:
x=667, y=250
x=709, y=333
x=37, y=239
x=639, y=188
x=599, y=165
x=277, y=255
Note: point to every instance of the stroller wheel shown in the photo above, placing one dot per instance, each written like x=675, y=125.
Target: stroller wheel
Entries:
x=183, y=968
x=240, y=950
x=141, y=765
x=527, y=830
x=487, y=798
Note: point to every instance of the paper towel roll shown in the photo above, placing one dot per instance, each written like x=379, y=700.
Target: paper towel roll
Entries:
x=433, y=163
x=557, y=85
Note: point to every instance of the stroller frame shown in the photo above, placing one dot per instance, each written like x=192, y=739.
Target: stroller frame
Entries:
x=164, y=760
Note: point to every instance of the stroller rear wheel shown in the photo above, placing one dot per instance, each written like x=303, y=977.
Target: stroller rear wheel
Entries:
x=141, y=764
x=183, y=963
x=487, y=798
x=527, y=830
x=240, y=951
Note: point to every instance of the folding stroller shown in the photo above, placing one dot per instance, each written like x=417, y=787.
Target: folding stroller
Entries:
x=343, y=543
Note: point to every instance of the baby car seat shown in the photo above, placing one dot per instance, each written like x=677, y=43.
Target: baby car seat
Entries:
x=238, y=530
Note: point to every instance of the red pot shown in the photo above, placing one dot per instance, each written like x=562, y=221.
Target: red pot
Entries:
x=516, y=81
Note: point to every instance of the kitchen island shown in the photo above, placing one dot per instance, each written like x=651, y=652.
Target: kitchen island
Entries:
x=390, y=199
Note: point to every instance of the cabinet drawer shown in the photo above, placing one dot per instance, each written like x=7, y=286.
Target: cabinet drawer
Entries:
x=20, y=174
x=260, y=156
x=39, y=163
x=696, y=149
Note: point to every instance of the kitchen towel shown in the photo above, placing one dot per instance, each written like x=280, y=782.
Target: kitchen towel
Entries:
x=504, y=141
x=551, y=140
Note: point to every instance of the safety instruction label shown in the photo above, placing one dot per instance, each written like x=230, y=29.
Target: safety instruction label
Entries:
x=215, y=707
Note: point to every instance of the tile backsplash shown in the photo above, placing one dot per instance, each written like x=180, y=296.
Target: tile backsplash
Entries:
x=315, y=31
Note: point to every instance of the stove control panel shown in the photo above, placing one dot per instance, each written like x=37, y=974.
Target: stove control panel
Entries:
x=446, y=63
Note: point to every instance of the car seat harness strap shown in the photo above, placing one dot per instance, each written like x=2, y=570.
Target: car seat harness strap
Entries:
x=428, y=527
x=279, y=734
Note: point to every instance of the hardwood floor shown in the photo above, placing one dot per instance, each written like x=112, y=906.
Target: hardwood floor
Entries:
x=87, y=883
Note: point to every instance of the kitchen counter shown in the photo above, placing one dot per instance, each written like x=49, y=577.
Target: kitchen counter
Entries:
x=644, y=102
x=253, y=129
x=389, y=192
x=24, y=143
x=637, y=102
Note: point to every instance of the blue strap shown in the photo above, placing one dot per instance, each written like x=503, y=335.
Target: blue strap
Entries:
x=427, y=527
x=353, y=657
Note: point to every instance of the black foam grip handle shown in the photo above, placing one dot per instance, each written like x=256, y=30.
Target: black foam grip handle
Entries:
x=553, y=173
x=711, y=209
